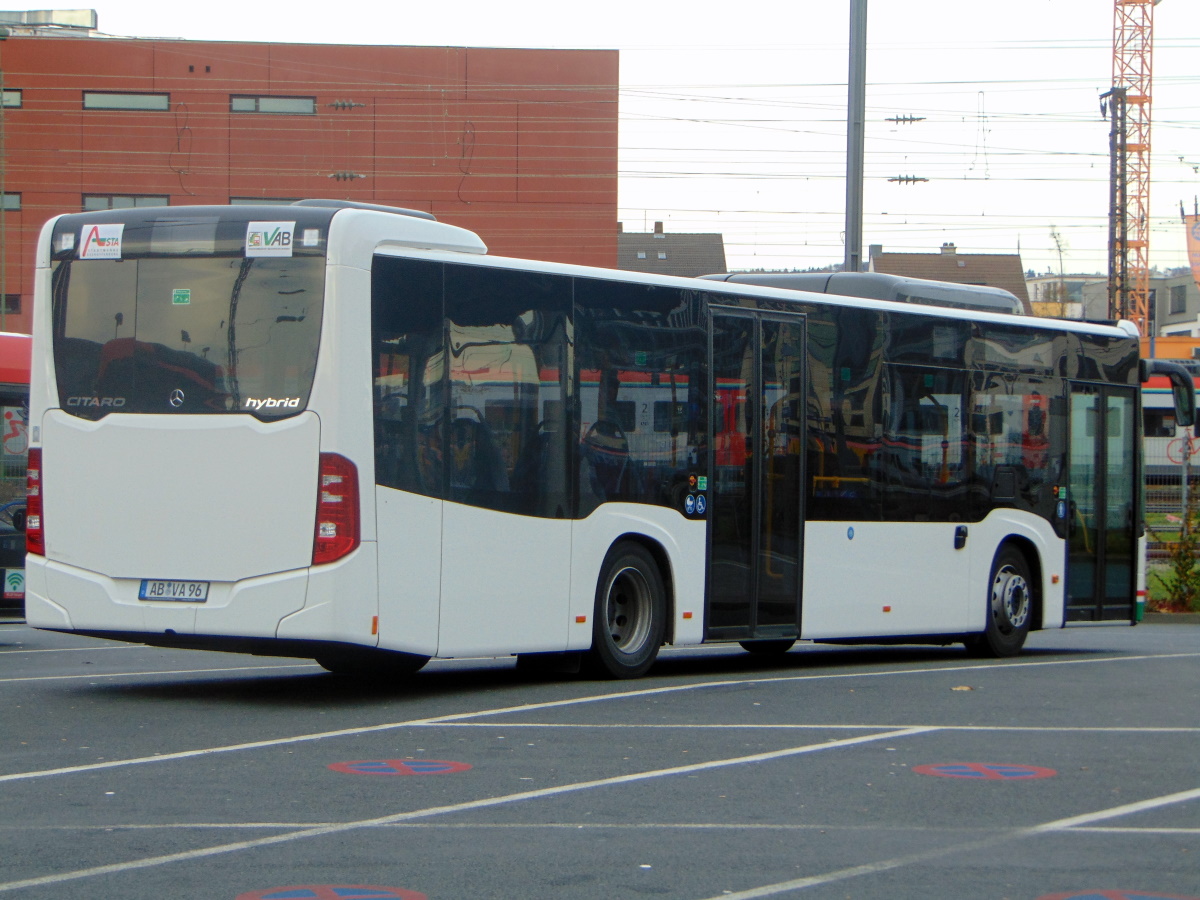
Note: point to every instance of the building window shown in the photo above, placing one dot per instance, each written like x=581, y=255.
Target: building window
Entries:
x=11, y=202
x=289, y=106
x=262, y=201
x=93, y=202
x=12, y=304
x=662, y=254
x=106, y=100
x=12, y=99
x=641, y=254
x=1178, y=299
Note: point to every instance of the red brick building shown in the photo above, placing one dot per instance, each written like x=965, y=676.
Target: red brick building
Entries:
x=519, y=146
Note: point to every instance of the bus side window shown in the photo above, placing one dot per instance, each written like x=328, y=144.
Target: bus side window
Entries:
x=640, y=350
x=507, y=334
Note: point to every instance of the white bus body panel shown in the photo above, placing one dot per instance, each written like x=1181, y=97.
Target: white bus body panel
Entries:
x=340, y=604
x=206, y=498
x=410, y=586
x=69, y=597
x=684, y=542
x=505, y=582
x=866, y=579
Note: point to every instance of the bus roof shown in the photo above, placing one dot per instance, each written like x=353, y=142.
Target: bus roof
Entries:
x=14, y=357
x=881, y=286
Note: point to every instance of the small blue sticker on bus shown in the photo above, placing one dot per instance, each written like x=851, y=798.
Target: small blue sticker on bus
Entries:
x=689, y=504
x=850, y=533
x=701, y=505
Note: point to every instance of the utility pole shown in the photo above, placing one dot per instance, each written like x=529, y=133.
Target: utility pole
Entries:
x=1112, y=104
x=1062, y=284
x=856, y=127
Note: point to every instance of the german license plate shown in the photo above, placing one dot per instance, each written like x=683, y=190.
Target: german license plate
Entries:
x=178, y=591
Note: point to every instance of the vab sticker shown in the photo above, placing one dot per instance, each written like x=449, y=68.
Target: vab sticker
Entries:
x=269, y=238
x=100, y=241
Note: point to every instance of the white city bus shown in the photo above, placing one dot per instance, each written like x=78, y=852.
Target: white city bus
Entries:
x=347, y=433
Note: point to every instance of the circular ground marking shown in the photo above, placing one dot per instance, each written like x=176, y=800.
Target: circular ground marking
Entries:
x=332, y=892
x=400, y=767
x=985, y=771
x=1115, y=895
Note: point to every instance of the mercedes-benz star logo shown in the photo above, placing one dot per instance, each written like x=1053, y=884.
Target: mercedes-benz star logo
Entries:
x=176, y=398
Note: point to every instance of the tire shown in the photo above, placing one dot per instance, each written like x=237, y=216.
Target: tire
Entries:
x=776, y=647
x=373, y=665
x=630, y=613
x=1010, y=606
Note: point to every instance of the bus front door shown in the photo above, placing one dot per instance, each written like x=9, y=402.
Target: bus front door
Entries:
x=1103, y=490
x=755, y=523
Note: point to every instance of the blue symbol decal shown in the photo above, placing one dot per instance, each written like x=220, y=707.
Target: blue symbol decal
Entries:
x=1062, y=509
x=333, y=892
x=985, y=771
x=701, y=505
x=850, y=533
x=689, y=504
x=400, y=767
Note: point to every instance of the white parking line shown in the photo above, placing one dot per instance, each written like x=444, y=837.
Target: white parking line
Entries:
x=829, y=726
x=323, y=830
x=79, y=649
x=885, y=865
x=551, y=704
x=93, y=676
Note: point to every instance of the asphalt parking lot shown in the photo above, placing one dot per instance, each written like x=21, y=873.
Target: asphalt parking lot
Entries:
x=1071, y=771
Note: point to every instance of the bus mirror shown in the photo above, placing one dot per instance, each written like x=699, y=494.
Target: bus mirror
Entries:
x=1183, y=390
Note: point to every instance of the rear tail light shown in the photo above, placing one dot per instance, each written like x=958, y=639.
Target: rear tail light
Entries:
x=337, y=510
x=34, y=536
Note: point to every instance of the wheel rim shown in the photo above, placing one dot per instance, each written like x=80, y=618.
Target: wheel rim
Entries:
x=628, y=609
x=1010, y=600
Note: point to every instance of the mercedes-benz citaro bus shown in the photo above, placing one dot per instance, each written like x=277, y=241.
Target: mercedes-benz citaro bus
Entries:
x=346, y=433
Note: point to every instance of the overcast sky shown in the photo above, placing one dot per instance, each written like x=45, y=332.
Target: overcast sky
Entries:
x=733, y=114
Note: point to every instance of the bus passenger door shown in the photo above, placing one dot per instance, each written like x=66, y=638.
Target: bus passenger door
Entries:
x=756, y=498
x=1102, y=504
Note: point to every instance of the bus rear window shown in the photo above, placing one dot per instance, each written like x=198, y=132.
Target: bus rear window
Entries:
x=187, y=334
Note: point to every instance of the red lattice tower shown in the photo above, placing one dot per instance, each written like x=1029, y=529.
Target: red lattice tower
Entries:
x=1133, y=46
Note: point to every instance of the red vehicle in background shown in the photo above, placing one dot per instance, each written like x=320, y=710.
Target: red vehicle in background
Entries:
x=14, y=448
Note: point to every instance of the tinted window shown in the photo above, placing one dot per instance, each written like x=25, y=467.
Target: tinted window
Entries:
x=186, y=335
x=508, y=335
x=640, y=346
x=845, y=361
x=925, y=457
x=1018, y=432
x=408, y=336
x=470, y=382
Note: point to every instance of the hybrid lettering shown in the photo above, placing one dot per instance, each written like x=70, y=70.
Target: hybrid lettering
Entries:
x=272, y=403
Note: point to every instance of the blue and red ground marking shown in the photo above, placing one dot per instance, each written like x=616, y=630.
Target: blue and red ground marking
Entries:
x=332, y=892
x=400, y=767
x=985, y=771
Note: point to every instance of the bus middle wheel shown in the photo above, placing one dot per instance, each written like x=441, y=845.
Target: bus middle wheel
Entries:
x=630, y=613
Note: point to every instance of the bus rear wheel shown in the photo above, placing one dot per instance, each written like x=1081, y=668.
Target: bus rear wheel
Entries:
x=1010, y=607
x=630, y=613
